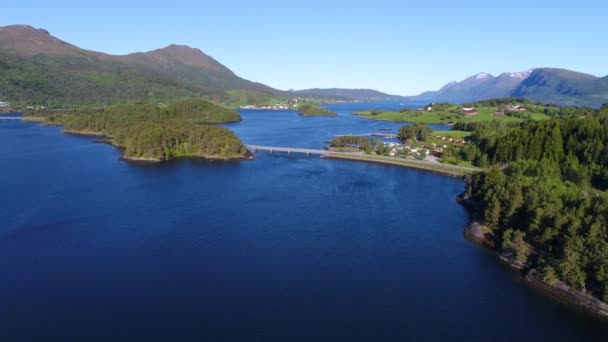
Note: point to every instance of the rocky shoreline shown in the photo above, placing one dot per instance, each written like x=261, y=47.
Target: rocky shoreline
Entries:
x=481, y=235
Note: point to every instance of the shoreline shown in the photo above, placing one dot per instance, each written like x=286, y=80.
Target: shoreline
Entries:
x=441, y=169
x=146, y=160
x=477, y=233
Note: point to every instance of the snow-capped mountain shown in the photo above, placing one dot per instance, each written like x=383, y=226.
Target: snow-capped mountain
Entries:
x=479, y=86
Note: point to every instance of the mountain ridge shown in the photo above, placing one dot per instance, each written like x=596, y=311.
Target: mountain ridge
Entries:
x=550, y=85
x=39, y=68
x=348, y=94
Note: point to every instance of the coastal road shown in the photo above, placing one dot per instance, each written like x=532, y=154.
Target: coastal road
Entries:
x=414, y=163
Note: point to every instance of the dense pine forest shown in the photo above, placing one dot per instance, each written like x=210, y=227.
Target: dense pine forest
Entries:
x=544, y=200
x=160, y=133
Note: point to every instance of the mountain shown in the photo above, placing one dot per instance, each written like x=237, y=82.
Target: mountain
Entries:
x=563, y=87
x=547, y=85
x=37, y=68
x=348, y=94
x=190, y=66
x=477, y=87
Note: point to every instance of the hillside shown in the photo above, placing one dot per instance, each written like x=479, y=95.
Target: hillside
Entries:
x=37, y=68
x=547, y=85
x=564, y=87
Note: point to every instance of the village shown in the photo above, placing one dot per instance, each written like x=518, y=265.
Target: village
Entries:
x=5, y=107
x=287, y=105
x=435, y=148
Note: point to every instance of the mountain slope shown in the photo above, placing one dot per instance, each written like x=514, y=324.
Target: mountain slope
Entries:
x=564, y=87
x=191, y=66
x=37, y=68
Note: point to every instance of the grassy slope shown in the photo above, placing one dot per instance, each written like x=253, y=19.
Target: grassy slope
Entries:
x=452, y=134
x=444, y=117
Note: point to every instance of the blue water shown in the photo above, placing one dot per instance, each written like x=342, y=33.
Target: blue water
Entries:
x=281, y=248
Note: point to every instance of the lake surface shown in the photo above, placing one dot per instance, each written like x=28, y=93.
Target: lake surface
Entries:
x=277, y=249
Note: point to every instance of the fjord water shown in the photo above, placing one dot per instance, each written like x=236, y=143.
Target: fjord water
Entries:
x=282, y=248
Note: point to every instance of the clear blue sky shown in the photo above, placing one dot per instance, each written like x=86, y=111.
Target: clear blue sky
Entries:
x=401, y=47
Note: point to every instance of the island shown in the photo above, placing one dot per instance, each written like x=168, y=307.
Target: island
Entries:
x=155, y=133
x=309, y=109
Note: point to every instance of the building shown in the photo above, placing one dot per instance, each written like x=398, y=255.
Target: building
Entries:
x=514, y=109
x=499, y=114
x=469, y=111
x=4, y=104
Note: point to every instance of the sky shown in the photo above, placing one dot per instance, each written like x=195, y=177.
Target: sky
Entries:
x=400, y=47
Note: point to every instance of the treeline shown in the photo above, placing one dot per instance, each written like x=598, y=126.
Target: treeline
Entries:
x=161, y=133
x=492, y=125
x=578, y=143
x=418, y=132
x=546, y=204
x=500, y=102
x=365, y=144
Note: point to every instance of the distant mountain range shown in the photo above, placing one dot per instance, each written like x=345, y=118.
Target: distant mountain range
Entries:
x=348, y=94
x=547, y=85
x=37, y=68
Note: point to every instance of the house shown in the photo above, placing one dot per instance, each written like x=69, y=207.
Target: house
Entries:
x=499, y=114
x=514, y=109
x=469, y=111
x=438, y=152
x=4, y=104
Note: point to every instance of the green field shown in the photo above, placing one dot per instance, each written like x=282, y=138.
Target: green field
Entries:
x=452, y=134
x=445, y=117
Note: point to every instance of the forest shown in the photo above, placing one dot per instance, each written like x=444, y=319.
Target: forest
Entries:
x=154, y=132
x=544, y=198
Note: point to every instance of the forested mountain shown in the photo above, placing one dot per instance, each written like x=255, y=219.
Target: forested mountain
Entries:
x=557, y=86
x=39, y=69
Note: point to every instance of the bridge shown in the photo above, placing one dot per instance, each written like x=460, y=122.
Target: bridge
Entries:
x=288, y=150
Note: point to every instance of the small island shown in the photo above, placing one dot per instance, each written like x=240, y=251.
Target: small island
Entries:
x=308, y=109
x=155, y=133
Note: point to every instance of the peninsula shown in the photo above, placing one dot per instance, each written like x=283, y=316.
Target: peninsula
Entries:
x=543, y=205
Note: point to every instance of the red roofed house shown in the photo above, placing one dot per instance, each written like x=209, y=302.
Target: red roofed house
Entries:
x=469, y=111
